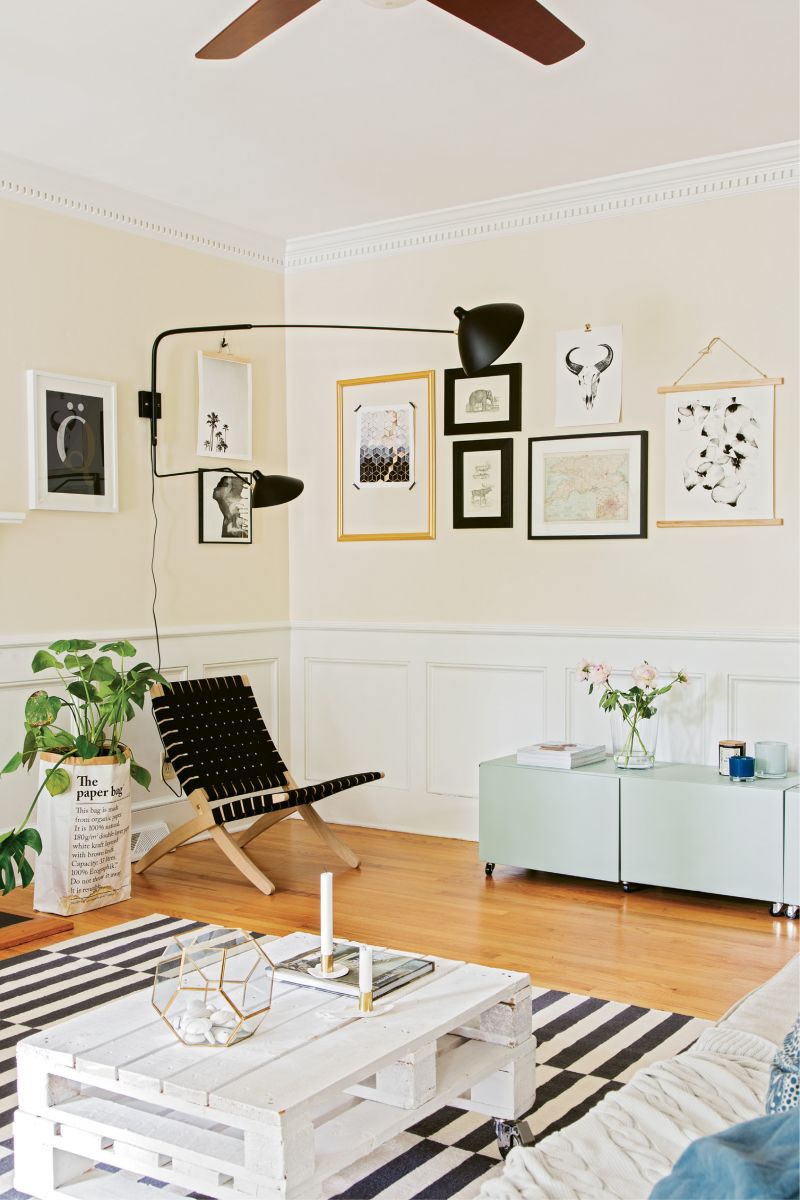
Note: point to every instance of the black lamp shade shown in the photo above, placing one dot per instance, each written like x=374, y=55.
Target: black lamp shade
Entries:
x=485, y=332
x=274, y=489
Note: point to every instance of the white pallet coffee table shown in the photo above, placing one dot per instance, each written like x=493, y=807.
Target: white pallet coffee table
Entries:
x=311, y=1092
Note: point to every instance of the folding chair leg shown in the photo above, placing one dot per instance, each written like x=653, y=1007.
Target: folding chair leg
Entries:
x=324, y=831
x=230, y=847
x=171, y=842
x=262, y=824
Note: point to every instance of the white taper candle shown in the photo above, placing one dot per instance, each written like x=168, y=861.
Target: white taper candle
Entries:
x=365, y=969
x=326, y=914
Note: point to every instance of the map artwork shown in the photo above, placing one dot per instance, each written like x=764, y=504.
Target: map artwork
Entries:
x=587, y=487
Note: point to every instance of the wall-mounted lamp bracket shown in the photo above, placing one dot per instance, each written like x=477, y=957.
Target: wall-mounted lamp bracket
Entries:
x=146, y=406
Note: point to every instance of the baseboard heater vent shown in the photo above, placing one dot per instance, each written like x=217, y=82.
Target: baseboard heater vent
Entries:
x=145, y=838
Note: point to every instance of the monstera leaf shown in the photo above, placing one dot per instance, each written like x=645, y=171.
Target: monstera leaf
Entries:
x=41, y=710
x=12, y=854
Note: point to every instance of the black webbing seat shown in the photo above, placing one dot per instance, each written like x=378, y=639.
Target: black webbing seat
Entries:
x=230, y=768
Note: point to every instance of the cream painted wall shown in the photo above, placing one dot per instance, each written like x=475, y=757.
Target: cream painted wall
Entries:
x=674, y=278
x=87, y=301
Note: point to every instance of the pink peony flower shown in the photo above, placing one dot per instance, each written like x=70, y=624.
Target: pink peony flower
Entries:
x=582, y=671
x=599, y=673
x=644, y=675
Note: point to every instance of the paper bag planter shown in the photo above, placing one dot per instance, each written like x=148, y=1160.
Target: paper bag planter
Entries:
x=213, y=987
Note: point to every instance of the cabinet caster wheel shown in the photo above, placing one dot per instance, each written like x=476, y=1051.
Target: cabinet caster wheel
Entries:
x=776, y=909
x=489, y=869
x=792, y=911
x=510, y=1134
x=632, y=887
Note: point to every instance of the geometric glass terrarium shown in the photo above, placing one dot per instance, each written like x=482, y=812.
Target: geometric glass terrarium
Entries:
x=213, y=986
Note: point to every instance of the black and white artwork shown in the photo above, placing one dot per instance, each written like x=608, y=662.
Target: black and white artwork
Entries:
x=72, y=443
x=483, y=484
x=589, y=376
x=225, y=414
x=487, y=403
x=719, y=454
x=226, y=509
x=384, y=446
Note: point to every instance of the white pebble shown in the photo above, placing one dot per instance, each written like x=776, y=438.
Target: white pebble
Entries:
x=223, y=1018
x=193, y=1038
x=200, y=1025
x=221, y=1036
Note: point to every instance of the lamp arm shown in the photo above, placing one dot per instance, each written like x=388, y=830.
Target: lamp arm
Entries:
x=229, y=329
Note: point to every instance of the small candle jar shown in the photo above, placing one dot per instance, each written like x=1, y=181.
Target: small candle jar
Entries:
x=726, y=753
x=771, y=759
x=742, y=768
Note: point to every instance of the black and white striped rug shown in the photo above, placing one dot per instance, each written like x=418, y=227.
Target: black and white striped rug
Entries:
x=587, y=1048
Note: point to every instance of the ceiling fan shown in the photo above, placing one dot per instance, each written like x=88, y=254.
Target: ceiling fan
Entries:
x=525, y=25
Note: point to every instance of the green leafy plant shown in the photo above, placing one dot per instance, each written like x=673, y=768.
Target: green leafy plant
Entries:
x=97, y=698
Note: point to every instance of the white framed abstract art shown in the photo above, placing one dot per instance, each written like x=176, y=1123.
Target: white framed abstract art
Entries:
x=225, y=406
x=719, y=454
x=588, y=370
x=72, y=443
x=386, y=462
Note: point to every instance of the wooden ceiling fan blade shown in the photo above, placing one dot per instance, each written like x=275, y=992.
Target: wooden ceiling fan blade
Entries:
x=258, y=22
x=525, y=25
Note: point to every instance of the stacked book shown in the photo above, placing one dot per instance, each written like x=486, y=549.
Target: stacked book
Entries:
x=564, y=755
x=390, y=969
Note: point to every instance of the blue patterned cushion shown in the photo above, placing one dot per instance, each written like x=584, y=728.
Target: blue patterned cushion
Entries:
x=783, y=1091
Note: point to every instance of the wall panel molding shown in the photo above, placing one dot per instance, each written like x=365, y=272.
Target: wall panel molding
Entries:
x=364, y=724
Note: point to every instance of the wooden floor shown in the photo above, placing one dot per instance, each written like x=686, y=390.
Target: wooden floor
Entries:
x=673, y=950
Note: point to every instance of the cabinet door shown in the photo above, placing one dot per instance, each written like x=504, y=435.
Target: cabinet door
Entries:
x=705, y=838
x=561, y=821
x=791, y=863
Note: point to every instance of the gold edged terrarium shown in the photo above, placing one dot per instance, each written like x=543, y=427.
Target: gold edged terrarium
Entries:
x=213, y=987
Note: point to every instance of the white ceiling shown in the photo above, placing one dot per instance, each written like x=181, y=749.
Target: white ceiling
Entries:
x=354, y=114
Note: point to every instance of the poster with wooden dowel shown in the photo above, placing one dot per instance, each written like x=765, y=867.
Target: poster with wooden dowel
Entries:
x=719, y=450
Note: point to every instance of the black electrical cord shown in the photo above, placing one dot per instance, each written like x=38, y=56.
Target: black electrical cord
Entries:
x=155, y=600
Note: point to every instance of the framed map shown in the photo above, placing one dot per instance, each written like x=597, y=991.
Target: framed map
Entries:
x=588, y=485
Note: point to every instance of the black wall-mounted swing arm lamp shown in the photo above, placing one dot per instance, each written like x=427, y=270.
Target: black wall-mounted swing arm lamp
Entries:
x=483, y=333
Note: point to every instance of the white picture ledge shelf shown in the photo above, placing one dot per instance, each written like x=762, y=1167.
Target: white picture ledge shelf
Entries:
x=12, y=518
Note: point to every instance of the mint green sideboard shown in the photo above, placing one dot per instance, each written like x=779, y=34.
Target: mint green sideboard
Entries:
x=675, y=825
x=791, y=860
x=561, y=821
x=688, y=827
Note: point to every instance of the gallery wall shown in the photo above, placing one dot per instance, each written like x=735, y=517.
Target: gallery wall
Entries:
x=425, y=657
x=83, y=300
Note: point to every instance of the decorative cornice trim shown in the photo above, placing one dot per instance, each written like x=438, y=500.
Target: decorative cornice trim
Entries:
x=760, y=169
x=439, y=628
x=57, y=191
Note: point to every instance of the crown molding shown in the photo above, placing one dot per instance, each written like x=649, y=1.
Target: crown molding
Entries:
x=742, y=172
x=57, y=191
x=760, y=169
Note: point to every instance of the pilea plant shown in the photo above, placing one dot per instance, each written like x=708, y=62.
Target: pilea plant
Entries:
x=84, y=720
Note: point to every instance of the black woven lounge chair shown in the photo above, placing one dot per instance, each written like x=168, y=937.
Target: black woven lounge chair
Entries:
x=229, y=768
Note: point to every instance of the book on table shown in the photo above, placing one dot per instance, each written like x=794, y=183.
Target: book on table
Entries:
x=390, y=970
x=560, y=754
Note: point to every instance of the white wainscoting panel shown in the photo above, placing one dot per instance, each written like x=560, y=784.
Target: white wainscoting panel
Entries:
x=356, y=719
x=476, y=712
x=682, y=734
x=478, y=692
x=765, y=707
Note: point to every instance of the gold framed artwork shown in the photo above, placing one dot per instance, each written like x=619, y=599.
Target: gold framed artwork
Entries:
x=719, y=454
x=386, y=457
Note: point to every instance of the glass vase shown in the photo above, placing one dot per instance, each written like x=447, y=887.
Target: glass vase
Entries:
x=633, y=740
